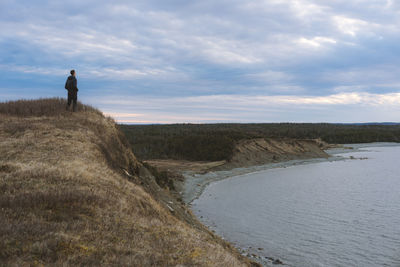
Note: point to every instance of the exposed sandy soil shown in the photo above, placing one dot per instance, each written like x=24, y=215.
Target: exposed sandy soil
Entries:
x=184, y=165
x=262, y=151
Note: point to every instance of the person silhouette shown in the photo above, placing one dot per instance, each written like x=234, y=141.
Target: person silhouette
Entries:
x=72, y=86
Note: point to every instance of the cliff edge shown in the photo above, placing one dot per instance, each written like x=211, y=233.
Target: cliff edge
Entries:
x=73, y=193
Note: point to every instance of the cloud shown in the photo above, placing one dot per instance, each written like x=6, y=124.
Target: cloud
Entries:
x=342, y=107
x=31, y=69
x=166, y=49
x=317, y=41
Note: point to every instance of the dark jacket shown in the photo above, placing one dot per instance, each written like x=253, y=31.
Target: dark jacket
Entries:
x=71, y=84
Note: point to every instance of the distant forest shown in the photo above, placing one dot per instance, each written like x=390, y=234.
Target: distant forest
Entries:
x=211, y=142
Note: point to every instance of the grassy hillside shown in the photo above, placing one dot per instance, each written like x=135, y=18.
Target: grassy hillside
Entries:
x=212, y=142
x=73, y=193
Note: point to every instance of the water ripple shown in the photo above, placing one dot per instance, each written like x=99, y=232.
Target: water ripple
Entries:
x=341, y=213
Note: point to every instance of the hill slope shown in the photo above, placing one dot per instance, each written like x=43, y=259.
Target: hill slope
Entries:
x=73, y=193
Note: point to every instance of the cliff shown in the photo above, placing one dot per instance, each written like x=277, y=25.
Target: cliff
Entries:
x=262, y=151
x=249, y=152
x=73, y=193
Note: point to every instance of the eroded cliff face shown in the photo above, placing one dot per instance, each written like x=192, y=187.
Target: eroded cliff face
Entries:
x=248, y=153
x=263, y=151
x=73, y=193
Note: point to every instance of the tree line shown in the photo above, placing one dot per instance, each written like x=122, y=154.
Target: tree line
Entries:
x=211, y=142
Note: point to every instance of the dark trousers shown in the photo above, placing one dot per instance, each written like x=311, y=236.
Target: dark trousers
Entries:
x=72, y=97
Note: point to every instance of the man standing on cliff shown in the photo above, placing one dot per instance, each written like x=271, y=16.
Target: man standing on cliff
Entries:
x=72, y=86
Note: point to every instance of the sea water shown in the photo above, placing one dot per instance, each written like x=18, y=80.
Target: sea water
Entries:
x=339, y=213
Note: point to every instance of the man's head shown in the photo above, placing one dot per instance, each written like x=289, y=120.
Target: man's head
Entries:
x=72, y=72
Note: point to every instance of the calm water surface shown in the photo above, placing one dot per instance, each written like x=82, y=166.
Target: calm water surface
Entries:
x=341, y=213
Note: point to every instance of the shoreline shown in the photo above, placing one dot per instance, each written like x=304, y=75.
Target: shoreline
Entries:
x=336, y=154
x=195, y=183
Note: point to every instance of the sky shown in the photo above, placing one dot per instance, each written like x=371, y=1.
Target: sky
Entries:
x=208, y=61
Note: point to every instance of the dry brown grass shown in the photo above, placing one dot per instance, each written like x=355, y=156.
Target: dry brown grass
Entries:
x=40, y=107
x=65, y=200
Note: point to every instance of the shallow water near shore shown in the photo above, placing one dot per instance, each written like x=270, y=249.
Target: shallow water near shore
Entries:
x=328, y=213
x=195, y=183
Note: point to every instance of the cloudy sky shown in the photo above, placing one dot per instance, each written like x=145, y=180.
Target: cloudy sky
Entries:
x=167, y=61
